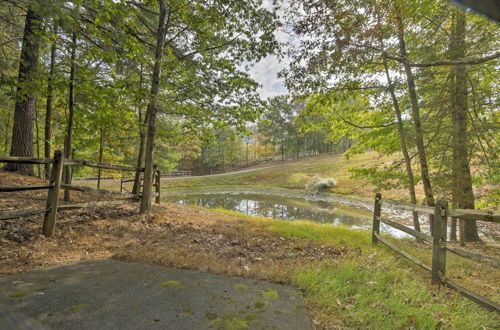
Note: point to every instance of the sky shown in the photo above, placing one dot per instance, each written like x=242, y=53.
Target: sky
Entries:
x=266, y=71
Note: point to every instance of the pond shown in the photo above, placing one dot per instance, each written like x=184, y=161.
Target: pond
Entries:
x=286, y=208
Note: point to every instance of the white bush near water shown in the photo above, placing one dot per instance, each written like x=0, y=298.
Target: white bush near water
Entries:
x=317, y=184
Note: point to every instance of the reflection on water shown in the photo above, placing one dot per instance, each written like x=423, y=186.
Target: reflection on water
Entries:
x=284, y=208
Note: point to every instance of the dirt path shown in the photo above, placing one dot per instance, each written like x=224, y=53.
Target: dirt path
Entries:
x=105, y=294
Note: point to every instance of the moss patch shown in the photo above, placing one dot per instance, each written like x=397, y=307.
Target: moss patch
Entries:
x=77, y=307
x=17, y=294
x=187, y=312
x=270, y=294
x=229, y=322
x=171, y=285
x=260, y=304
x=251, y=318
x=241, y=287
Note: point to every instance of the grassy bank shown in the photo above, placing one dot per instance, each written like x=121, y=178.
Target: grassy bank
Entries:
x=374, y=288
x=296, y=175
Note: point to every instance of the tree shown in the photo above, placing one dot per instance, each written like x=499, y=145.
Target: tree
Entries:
x=463, y=195
x=49, y=101
x=24, y=112
x=197, y=56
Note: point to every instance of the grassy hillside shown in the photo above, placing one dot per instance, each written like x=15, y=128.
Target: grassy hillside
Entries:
x=296, y=175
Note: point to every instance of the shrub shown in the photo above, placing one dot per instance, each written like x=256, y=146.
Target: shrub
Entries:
x=317, y=184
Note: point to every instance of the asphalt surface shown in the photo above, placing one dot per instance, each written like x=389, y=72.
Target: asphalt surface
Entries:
x=110, y=294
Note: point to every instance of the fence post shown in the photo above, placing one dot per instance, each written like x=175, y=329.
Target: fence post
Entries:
x=49, y=219
x=438, y=241
x=157, y=186
x=377, y=206
x=121, y=183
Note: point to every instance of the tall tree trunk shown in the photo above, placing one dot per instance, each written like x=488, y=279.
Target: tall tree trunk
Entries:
x=402, y=142
x=464, y=194
x=24, y=111
x=48, y=106
x=419, y=135
x=452, y=77
x=282, y=148
x=145, y=207
x=6, y=140
x=71, y=106
x=140, y=158
x=101, y=151
x=37, y=142
x=142, y=140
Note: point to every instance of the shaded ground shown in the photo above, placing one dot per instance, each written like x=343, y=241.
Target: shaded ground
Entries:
x=175, y=235
x=110, y=294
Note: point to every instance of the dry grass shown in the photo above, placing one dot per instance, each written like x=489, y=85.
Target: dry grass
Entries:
x=175, y=235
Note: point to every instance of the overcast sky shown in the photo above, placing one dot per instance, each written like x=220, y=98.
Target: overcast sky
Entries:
x=266, y=71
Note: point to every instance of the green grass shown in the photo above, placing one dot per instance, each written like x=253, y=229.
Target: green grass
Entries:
x=372, y=287
x=292, y=176
x=383, y=295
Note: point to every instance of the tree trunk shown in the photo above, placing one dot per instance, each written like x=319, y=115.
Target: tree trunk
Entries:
x=101, y=150
x=145, y=207
x=464, y=194
x=48, y=106
x=37, y=142
x=402, y=142
x=419, y=135
x=71, y=106
x=142, y=141
x=452, y=76
x=24, y=111
x=282, y=148
x=6, y=140
x=140, y=158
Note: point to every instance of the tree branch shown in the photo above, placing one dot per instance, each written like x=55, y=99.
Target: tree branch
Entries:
x=465, y=61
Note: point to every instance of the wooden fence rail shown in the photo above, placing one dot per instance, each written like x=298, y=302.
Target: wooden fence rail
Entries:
x=55, y=185
x=439, y=247
x=26, y=160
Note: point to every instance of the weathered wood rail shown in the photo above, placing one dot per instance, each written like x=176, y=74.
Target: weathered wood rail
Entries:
x=55, y=185
x=438, y=242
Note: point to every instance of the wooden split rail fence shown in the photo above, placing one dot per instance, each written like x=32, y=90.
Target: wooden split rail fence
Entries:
x=55, y=185
x=438, y=242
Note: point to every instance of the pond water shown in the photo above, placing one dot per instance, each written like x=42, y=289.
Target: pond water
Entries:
x=286, y=208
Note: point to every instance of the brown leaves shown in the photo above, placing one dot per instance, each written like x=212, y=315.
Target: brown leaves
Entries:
x=186, y=233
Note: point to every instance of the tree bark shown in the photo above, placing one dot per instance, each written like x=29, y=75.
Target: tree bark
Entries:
x=142, y=142
x=141, y=155
x=24, y=111
x=6, y=140
x=71, y=106
x=464, y=195
x=419, y=135
x=48, y=106
x=402, y=142
x=145, y=207
x=37, y=142
x=101, y=151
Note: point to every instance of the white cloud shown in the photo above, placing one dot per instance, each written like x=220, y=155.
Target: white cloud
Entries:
x=265, y=73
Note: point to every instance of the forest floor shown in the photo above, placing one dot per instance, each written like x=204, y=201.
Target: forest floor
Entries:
x=347, y=283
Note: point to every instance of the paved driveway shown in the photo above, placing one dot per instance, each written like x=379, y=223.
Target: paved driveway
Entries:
x=110, y=294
